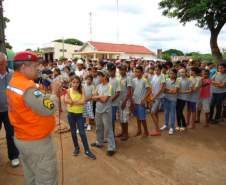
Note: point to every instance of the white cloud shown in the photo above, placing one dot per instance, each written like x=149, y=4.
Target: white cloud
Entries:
x=37, y=22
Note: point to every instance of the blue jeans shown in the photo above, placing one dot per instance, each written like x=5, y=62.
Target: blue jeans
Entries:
x=13, y=152
x=216, y=103
x=114, y=114
x=170, y=111
x=77, y=121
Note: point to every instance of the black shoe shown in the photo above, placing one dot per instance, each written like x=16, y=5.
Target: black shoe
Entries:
x=111, y=152
x=90, y=155
x=76, y=152
x=96, y=145
x=214, y=122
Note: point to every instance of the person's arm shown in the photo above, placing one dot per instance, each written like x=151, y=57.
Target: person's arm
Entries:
x=148, y=92
x=81, y=101
x=189, y=90
x=115, y=96
x=173, y=90
x=219, y=84
x=67, y=99
x=103, y=99
x=43, y=104
x=118, y=89
x=162, y=87
x=197, y=85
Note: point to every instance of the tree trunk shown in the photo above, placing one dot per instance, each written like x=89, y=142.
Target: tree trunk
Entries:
x=2, y=30
x=214, y=47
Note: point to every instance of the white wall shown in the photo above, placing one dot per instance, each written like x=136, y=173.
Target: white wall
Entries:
x=128, y=56
x=88, y=48
x=69, y=50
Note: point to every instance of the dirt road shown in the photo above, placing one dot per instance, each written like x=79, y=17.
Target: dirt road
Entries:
x=195, y=157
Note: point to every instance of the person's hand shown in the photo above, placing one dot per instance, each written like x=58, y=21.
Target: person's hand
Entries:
x=70, y=102
x=132, y=106
x=123, y=105
x=56, y=87
x=143, y=101
x=95, y=98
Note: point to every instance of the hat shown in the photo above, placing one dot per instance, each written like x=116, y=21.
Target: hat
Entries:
x=122, y=67
x=79, y=61
x=111, y=66
x=25, y=56
x=104, y=72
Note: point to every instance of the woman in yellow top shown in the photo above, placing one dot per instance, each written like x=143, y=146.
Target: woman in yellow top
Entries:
x=75, y=100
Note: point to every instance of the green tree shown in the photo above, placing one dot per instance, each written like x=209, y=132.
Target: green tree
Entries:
x=70, y=41
x=201, y=57
x=174, y=52
x=8, y=46
x=208, y=14
x=166, y=56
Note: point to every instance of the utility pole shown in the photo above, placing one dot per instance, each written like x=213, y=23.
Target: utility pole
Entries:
x=90, y=26
x=63, y=46
x=2, y=29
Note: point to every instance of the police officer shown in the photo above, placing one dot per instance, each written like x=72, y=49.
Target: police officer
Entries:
x=32, y=116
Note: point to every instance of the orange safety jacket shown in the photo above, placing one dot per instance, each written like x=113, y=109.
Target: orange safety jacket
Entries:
x=27, y=124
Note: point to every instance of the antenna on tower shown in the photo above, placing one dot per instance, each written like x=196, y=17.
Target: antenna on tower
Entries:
x=90, y=26
x=117, y=22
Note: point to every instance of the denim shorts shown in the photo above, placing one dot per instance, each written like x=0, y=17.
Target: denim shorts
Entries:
x=191, y=106
x=140, y=112
x=204, y=104
x=156, y=106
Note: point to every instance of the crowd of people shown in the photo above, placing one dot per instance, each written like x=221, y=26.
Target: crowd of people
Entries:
x=95, y=95
x=99, y=91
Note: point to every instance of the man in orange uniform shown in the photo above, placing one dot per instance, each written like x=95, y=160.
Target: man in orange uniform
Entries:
x=32, y=116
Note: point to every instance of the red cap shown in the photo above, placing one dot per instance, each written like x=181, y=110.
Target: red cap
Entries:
x=25, y=56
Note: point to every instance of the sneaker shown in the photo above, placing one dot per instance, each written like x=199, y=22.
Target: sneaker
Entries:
x=96, y=145
x=110, y=152
x=76, y=152
x=164, y=127
x=177, y=128
x=90, y=155
x=15, y=163
x=182, y=129
x=89, y=128
x=86, y=125
x=171, y=131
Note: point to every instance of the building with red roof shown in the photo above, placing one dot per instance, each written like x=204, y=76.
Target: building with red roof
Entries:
x=101, y=50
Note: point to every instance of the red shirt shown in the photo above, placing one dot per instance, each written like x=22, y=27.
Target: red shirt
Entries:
x=205, y=89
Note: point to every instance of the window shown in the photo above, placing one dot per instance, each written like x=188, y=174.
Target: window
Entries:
x=63, y=50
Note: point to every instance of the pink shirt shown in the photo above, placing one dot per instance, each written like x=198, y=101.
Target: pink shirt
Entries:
x=205, y=89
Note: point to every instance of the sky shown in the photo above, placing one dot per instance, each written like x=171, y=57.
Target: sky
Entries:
x=34, y=23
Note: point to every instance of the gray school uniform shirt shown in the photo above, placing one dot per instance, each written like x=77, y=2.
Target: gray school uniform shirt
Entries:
x=171, y=84
x=96, y=81
x=115, y=84
x=219, y=78
x=184, y=84
x=104, y=90
x=156, y=82
x=125, y=83
x=88, y=90
x=195, y=83
x=139, y=87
